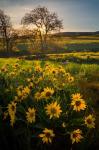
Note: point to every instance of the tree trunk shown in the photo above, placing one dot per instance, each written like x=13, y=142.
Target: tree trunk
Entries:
x=7, y=46
x=6, y=40
x=41, y=40
x=45, y=40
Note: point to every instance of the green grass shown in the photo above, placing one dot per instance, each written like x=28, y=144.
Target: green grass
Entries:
x=4, y=61
x=77, y=39
x=74, y=43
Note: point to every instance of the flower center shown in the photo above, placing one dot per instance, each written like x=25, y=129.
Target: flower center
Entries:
x=89, y=121
x=48, y=135
x=53, y=110
x=48, y=94
x=78, y=103
x=75, y=135
x=53, y=72
x=13, y=108
x=31, y=115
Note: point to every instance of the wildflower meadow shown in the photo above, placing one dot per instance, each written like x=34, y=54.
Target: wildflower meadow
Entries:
x=43, y=103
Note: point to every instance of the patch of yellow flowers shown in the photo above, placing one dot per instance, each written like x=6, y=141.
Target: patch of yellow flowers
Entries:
x=22, y=93
x=43, y=87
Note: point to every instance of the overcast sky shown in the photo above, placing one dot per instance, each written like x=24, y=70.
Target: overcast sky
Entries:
x=77, y=15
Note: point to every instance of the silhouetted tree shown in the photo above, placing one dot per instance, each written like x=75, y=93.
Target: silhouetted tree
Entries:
x=5, y=29
x=44, y=21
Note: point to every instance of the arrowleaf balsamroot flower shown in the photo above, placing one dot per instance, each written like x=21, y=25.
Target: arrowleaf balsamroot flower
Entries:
x=47, y=92
x=90, y=121
x=38, y=96
x=70, y=79
x=78, y=103
x=26, y=90
x=30, y=115
x=53, y=110
x=12, y=112
x=76, y=96
x=76, y=136
x=47, y=135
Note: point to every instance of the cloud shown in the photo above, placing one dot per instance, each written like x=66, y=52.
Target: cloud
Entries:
x=76, y=14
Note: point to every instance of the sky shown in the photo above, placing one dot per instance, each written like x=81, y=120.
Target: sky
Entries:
x=77, y=15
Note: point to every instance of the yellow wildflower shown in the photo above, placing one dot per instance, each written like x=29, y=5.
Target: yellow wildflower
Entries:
x=23, y=93
x=26, y=90
x=76, y=136
x=38, y=96
x=15, y=65
x=38, y=69
x=12, y=112
x=47, y=92
x=47, y=135
x=70, y=79
x=4, y=69
x=53, y=110
x=53, y=70
x=76, y=96
x=30, y=85
x=19, y=93
x=78, y=103
x=67, y=74
x=12, y=108
x=30, y=115
x=89, y=121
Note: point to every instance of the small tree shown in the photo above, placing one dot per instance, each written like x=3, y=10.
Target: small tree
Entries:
x=5, y=29
x=44, y=21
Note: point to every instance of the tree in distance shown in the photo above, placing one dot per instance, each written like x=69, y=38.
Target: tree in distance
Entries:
x=44, y=21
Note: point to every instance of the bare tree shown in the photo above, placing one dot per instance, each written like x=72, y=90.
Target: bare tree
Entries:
x=5, y=29
x=44, y=21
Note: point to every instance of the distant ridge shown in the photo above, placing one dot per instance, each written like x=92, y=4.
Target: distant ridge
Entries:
x=76, y=33
x=97, y=32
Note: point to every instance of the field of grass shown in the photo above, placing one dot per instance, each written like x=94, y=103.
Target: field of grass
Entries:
x=77, y=40
x=58, y=45
x=75, y=43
